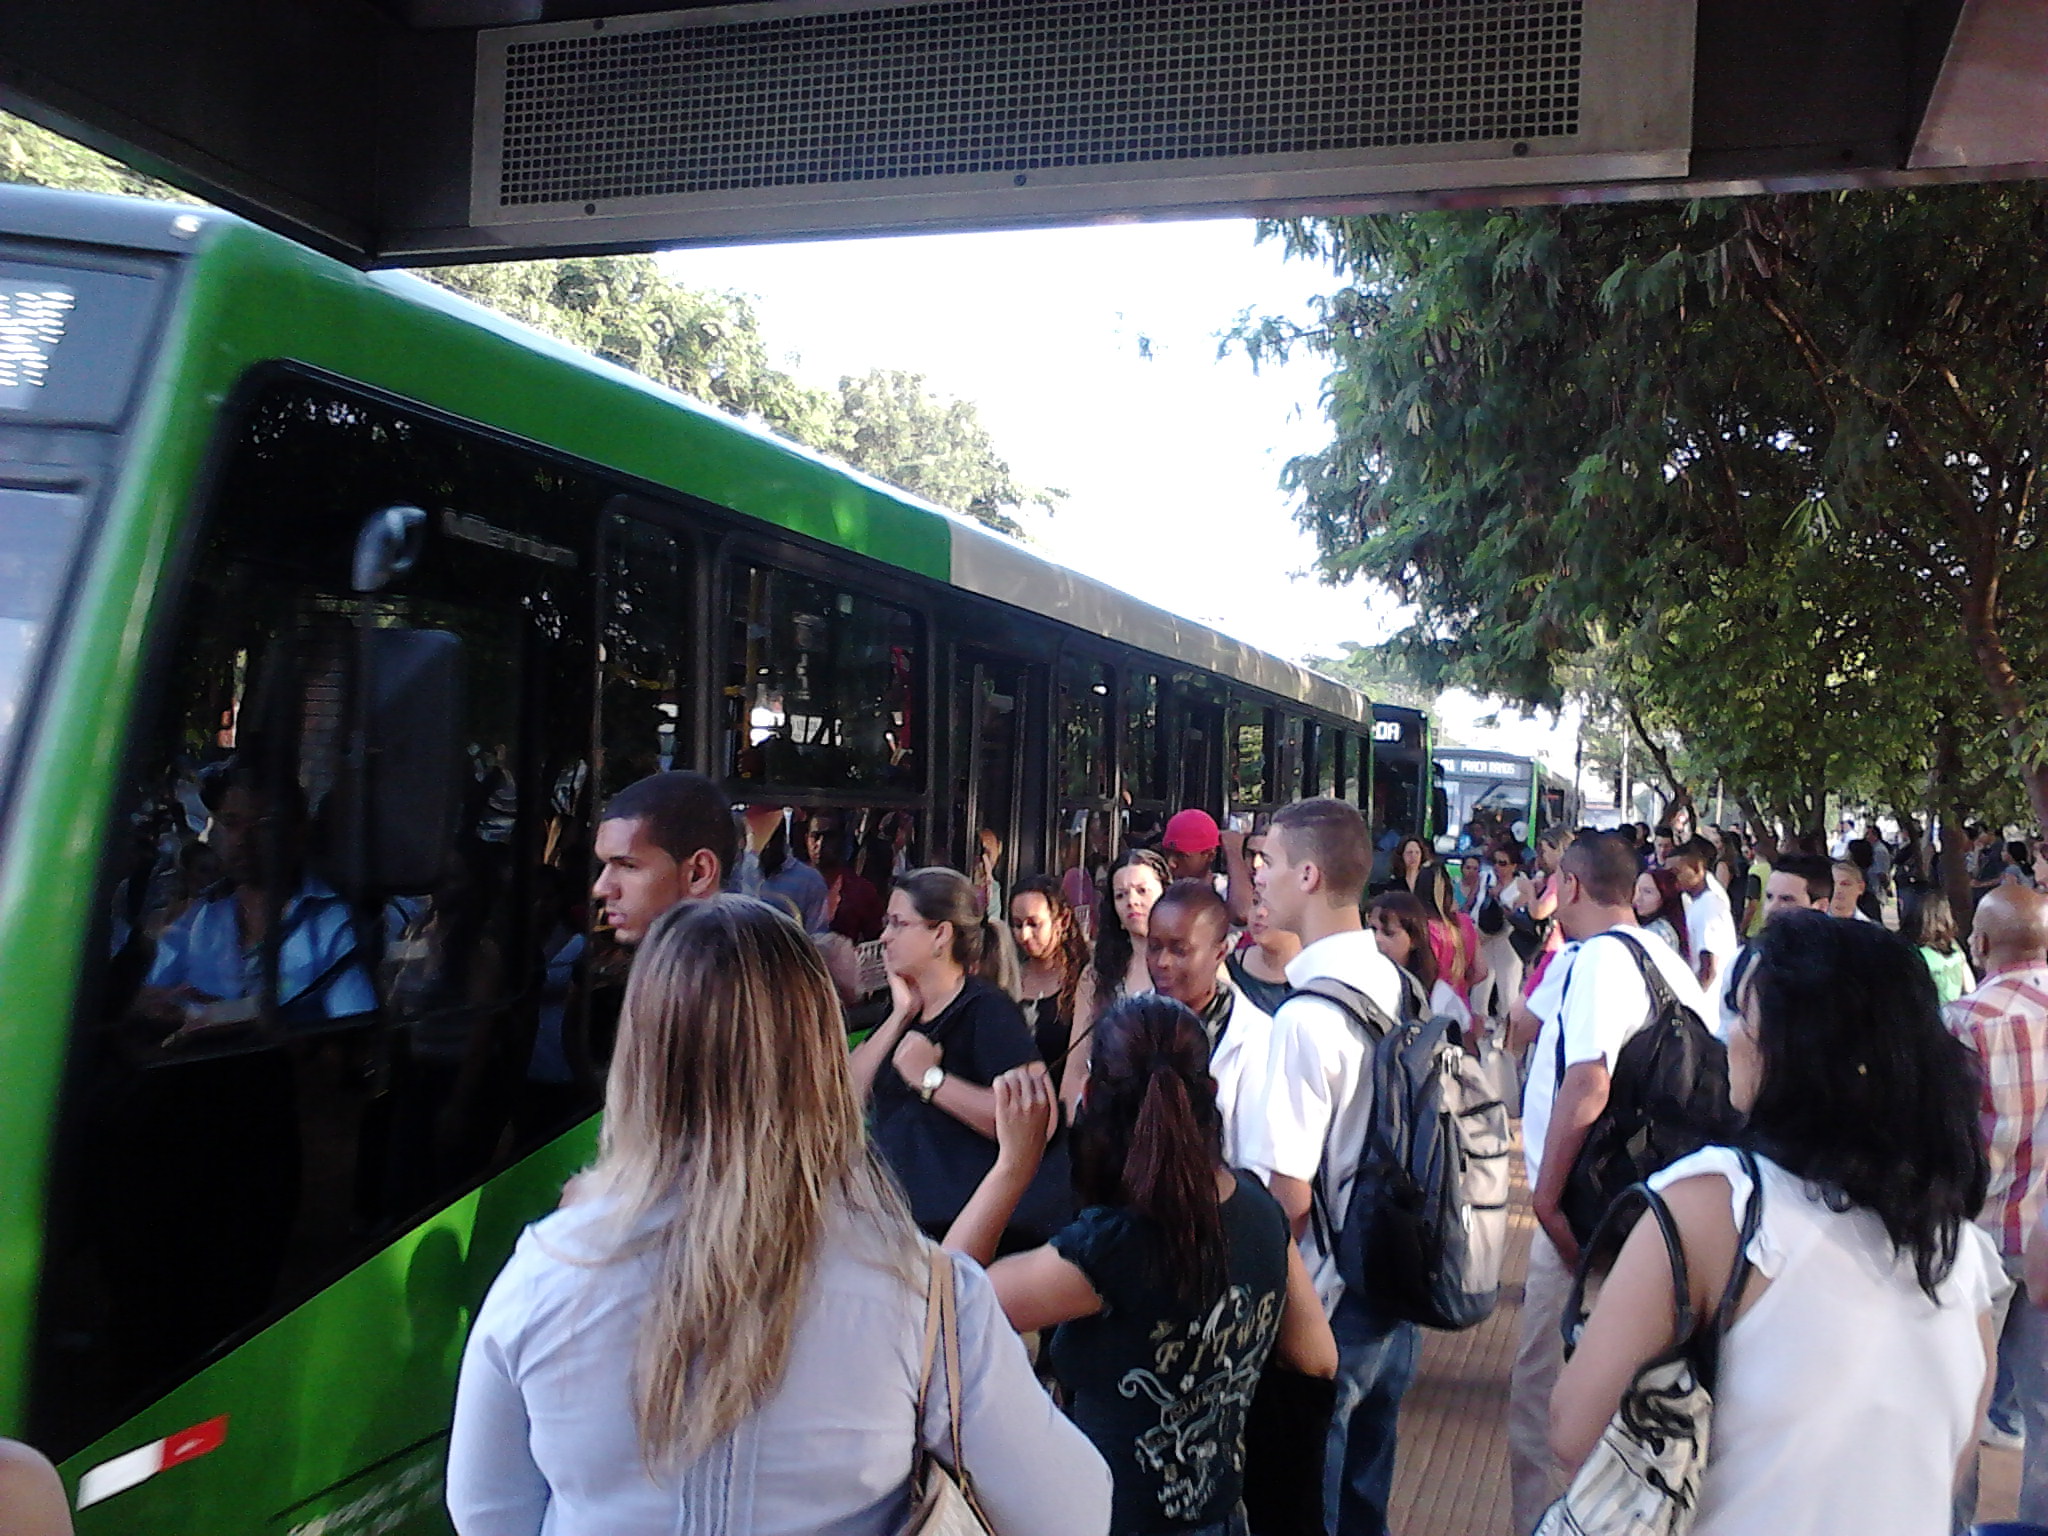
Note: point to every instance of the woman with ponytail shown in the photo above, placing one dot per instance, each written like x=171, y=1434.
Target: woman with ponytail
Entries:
x=1174, y=1286
x=953, y=1031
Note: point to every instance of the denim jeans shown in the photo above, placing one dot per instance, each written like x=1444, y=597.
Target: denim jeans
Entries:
x=1375, y=1362
x=2022, y=1334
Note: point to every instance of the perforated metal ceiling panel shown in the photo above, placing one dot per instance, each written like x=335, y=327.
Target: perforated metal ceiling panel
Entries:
x=1043, y=99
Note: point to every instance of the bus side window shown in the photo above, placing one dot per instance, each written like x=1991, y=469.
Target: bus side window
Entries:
x=297, y=1045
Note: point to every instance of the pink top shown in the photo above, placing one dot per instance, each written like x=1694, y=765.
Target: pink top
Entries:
x=1459, y=976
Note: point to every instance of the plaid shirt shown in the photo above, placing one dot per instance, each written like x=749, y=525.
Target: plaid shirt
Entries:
x=2005, y=1021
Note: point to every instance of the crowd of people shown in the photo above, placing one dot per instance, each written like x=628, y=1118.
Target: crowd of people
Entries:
x=1117, y=1146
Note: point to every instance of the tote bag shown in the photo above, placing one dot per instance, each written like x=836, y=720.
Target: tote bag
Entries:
x=1643, y=1478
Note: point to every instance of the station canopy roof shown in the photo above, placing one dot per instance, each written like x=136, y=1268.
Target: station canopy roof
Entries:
x=411, y=131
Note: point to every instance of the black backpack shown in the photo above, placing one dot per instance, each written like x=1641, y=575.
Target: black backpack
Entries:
x=1667, y=1098
x=1426, y=1227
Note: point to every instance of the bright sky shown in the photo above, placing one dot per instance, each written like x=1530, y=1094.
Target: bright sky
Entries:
x=1171, y=462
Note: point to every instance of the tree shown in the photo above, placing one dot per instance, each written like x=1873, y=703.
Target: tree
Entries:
x=1383, y=675
x=623, y=309
x=705, y=345
x=1779, y=452
x=892, y=426
x=35, y=155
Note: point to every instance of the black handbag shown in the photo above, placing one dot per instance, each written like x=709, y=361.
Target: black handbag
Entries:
x=1491, y=918
x=1286, y=1432
x=1526, y=934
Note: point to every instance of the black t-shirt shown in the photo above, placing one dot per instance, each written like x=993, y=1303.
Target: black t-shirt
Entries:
x=1266, y=996
x=1052, y=1030
x=939, y=1161
x=1162, y=1390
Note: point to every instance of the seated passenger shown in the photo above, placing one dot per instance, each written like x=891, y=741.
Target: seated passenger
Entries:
x=209, y=964
x=1853, y=1378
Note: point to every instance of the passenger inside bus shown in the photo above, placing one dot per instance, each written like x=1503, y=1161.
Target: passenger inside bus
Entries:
x=208, y=972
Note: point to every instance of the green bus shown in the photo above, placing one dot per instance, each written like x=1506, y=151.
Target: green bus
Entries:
x=1487, y=795
x=331, y=609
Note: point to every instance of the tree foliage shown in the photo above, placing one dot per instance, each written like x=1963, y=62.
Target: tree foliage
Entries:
x=1381, y=673
x=705, y=345
x=1773, y=461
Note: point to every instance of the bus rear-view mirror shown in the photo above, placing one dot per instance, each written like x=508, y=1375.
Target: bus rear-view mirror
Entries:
x=406, y=773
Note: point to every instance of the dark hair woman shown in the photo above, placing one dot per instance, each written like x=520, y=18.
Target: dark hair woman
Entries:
x=1054, y=955
x=1853, y=1378
x=1660, y=908
x=1139, y=879
x=1170, y=1289
x=1411, y=858
x=930, y=1065
x=1401, y=924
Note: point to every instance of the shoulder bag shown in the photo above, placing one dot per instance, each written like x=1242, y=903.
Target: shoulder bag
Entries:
x=1643, y=1478
x=942, y=1496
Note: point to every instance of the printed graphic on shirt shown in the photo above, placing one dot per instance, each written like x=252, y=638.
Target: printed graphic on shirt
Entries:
x=1202, y=1379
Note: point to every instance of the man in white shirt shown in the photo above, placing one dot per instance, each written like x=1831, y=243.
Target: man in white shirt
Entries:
x=1594, y=998
x=1302, y=1129
x=1846, y=900
x=1709, y=919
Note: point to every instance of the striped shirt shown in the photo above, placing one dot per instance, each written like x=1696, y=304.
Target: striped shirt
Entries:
x=2005, y=1021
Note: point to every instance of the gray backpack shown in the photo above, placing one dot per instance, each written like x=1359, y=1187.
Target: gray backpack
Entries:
x=1425, y=1230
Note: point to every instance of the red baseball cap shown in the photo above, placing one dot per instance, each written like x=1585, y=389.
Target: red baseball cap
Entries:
x=1191, y=832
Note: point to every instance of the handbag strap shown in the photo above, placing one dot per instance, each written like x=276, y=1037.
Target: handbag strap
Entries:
x=936, y=1264
x=1706, y=1349
x=949, y=1328
x=1612, y=1227
x=1708, y=1354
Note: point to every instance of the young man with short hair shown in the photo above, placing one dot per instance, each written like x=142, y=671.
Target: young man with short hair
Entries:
x=663, y=840
x=1302, y=1125
x=1846, y=900
x=1798, y=882
x=1709, y=920
x=1594, y=998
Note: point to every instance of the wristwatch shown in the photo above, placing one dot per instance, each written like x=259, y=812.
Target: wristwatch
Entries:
x=929, y=1083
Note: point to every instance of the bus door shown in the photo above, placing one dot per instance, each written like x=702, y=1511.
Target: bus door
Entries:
x=992, y=704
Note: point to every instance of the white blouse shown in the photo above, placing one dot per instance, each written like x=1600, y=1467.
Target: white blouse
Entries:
x=1846, y=1397
x=544, y=1442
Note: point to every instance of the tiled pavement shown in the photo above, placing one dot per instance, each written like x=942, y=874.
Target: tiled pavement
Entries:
x=1451, y=1476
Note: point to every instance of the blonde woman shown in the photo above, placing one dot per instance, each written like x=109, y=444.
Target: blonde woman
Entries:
x=723, y=1332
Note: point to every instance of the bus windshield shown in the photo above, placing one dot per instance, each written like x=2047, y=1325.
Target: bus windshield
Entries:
x=72, y=340
x=39, y=533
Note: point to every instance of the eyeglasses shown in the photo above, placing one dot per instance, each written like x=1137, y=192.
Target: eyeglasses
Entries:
x=893, y=924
